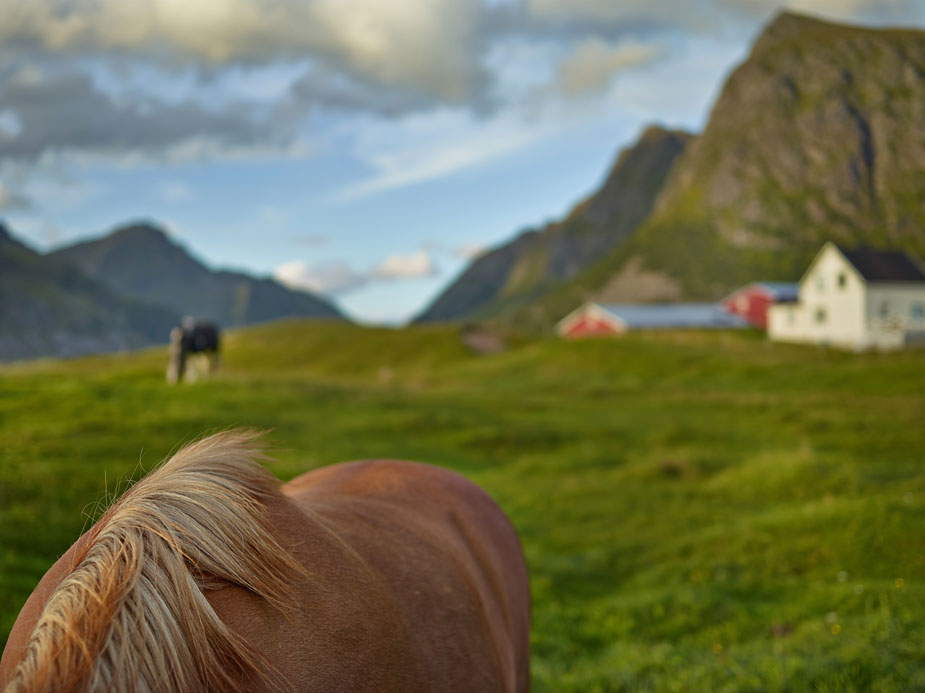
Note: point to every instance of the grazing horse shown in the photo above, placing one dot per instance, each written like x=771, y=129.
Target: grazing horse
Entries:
x=192, y=338
x=208, y=576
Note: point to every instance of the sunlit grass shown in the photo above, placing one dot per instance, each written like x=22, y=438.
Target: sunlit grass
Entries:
x=700, y=511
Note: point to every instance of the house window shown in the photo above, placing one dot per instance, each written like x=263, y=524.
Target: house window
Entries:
x=884, y=310
x=842, y=280
x=820, y=316
x=820, y=283
x=917, y=311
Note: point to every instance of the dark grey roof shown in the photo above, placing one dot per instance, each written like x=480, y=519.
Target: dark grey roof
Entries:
x=884, y=265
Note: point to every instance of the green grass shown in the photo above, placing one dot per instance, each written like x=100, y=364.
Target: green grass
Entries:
x=700, y=511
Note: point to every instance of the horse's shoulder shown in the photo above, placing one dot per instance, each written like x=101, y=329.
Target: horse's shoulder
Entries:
x=35, y=604
x=380, y=478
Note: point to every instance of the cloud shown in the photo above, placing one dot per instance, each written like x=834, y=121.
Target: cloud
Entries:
x=426, y=146
x=62, y=112
x=417, y=264
x=421, y=88
x=469, y=251
x=701, y=16
x=326, y=278
x=321, y=87
x=594, y=62
x=10, y=199
x=339, y=277
x=428, y=46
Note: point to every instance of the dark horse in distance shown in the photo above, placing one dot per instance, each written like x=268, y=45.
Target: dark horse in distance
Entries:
x=206, y=575
x=192, y=338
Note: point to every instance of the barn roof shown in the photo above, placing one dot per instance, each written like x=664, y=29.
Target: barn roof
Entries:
x=884, y=265
x=781, y=291
x=670, y=315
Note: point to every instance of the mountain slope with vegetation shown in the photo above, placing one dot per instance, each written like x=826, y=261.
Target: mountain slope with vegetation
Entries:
x=818, y=135
x=49, y=308
x=517, y=272
x=142, y=262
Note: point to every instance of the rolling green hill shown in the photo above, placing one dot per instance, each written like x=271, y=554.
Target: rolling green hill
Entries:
x=700, y=511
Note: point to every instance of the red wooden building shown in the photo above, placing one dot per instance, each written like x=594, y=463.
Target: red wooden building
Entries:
x=598, y=319
x=752, y=302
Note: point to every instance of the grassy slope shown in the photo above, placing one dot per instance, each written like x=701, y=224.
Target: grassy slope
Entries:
x=700, y=511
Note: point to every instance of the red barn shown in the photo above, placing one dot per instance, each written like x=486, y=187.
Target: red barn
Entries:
x=600, y=319
x=590, y=321
x=752, y=302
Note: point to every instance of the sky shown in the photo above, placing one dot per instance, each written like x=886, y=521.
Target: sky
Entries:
x=365, y=150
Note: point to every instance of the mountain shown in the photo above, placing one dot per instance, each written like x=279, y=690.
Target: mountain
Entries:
x=818, y=135
x=49, y=308
x=516, y=273
x=142, y=262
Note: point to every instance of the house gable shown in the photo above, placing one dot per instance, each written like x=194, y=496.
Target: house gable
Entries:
x=810, y=278
x=587, y=320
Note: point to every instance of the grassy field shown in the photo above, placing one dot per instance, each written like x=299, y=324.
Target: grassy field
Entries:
x=700, y=511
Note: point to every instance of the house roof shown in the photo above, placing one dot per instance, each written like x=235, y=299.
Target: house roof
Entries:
x=884, y=265
x=670, y=315
x=781, y=291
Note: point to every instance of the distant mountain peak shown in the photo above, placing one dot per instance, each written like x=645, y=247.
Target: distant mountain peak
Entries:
x=140, y=230
x=141, y=261
x=788, y=26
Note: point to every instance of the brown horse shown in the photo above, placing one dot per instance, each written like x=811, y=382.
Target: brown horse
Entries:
x=206, y=575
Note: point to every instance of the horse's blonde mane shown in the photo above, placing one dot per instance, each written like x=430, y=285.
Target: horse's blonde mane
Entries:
x=133, y=615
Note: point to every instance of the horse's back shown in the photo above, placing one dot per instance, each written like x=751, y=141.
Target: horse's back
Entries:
x=416, y=581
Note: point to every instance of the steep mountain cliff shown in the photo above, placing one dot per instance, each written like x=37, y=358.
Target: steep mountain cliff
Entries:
x=819, y=135
x=49, y=308
x=142, y=262
x=518, y=272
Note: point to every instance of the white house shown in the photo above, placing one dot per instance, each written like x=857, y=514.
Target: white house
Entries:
x=856, y=299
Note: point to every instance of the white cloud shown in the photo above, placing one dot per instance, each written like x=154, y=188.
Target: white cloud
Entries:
x=339, y=277
x=469, y=251
x=417, y=264
x=593, y=64
x=327, y=278
x=431, y=46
